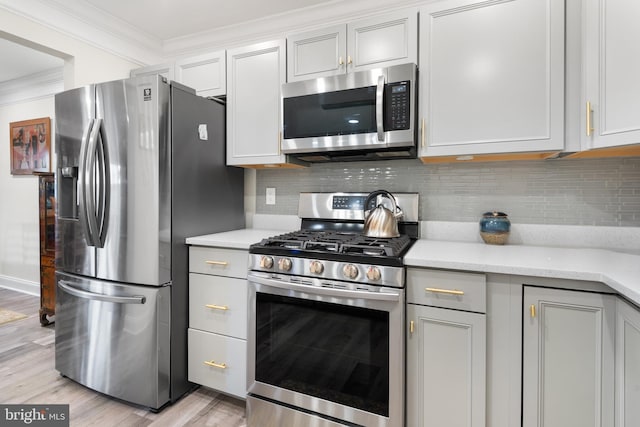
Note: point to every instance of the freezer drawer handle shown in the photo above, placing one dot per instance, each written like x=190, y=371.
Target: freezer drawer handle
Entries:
x=135, y=299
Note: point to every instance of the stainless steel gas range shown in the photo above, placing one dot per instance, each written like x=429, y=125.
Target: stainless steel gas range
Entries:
x=326, y=323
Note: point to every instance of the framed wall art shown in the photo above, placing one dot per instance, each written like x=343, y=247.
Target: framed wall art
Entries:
x=30, y=142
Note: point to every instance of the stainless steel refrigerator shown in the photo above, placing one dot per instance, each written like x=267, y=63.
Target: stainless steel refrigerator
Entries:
x=140, y=167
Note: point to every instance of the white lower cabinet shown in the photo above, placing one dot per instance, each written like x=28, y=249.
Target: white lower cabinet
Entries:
x=627, y=365
x=218, y=361
x=446, y=349
x=568, y=358
x=217, y=336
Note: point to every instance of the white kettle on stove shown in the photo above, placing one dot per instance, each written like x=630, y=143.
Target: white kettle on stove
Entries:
x=381, y=222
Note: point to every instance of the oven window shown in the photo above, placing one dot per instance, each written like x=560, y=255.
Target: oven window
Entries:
x=335, y=352
x=342, y=112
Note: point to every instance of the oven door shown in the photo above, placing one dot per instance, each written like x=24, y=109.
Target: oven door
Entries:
x=335, y=352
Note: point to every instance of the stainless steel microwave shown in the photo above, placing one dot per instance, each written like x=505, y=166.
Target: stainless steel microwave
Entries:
x=357, y=116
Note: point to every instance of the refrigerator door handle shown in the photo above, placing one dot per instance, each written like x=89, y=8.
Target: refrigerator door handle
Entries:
x=83, y=183
x=134, y=299
x=90, y=183
x=103, y=186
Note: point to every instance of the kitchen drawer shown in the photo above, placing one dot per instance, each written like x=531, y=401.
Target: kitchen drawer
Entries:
x=447, y=289
x=229, y=374
x=218, y=261
x=218, y=304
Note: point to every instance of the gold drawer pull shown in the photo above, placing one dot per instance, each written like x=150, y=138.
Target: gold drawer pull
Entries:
x=445, y=291
x=216, y=365
x=217, y=307
x=223, y=263
x=532, y=309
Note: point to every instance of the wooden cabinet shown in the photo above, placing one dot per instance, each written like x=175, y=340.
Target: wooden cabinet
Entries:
x=379, y=41
x=47, y=203
x=568, y=358
x=255, y=74
x=627, y=393
x=217, y=335
x=611, y=66
x=446, y=348
x=489, y=83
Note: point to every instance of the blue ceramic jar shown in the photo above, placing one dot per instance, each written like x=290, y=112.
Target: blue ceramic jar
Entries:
x=495, y=227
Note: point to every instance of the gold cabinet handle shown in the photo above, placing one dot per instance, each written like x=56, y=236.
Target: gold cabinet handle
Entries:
x=422, y=134
x=589, y=115
x=411, y=327
x=444, y=291
x=340, y=61
x=222, y=263
x=532, y=309
x=349, y=61
x=217, y=307
x=215, y=365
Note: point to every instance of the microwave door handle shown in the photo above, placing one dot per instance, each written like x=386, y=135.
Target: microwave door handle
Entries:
x=379, y=108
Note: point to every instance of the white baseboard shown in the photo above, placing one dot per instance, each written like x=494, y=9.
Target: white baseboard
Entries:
x=20, y=285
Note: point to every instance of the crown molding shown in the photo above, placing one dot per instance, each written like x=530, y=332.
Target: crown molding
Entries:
x=90, y=25
x=39, y=85
x=279, y=25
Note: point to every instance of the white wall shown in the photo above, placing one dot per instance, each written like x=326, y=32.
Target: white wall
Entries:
x=84, y=64
x=19, y=235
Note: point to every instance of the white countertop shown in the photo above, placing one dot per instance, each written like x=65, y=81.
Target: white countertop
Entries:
x=620, y=271
x=236, y=239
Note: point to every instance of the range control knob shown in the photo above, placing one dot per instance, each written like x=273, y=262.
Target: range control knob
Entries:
x=284, y=264
x=316, y=267
x=350, y=271
x=373, y=273
x=266, y=262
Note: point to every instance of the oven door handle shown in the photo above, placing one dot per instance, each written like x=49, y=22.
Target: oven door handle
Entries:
x=319, y=290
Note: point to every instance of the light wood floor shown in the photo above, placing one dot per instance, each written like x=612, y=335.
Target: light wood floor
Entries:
x=27, y=375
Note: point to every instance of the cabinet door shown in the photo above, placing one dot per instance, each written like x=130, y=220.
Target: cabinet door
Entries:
x=446, y=355
x=166, y=70
x=316, y=54
x=205, y=73
x=383, y=41
x=627, y=366
x=491, y=77
x=568, y=359
x=612, y=67
x=254, y=76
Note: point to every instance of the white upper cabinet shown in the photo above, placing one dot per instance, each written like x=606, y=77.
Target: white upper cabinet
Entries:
x=611, y=66
x=379, y=41
x=491, y=77
x=254, y=76
x=205, y=73
x=166, y=70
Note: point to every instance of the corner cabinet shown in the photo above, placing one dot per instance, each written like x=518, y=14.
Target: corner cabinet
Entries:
x=255, y=74
x=612, y=98
x=217, y=335
x=47, y=203
x=374, y=42
x=446, y=348
x=627, y=393
x=489, y=84
x=568, y=358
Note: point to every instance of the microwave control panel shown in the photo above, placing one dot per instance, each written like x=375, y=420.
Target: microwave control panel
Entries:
x=397, y=99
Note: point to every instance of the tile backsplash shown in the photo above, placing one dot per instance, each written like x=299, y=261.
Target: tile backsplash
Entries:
x=603, y=192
